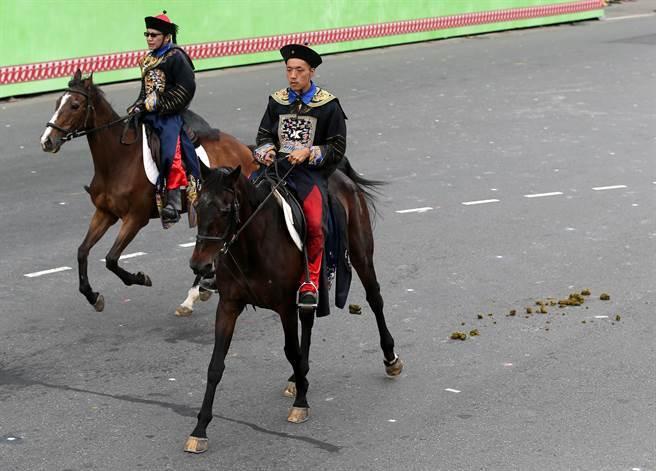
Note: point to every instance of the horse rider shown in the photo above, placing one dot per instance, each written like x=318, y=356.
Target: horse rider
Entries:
x=304, y=129
x=167, y=87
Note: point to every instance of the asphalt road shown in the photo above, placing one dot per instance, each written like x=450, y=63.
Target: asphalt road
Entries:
x=533, y=150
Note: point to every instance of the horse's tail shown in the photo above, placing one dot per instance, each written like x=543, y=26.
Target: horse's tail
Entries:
x=369, y=188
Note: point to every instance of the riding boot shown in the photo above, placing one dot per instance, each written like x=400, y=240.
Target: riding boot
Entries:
x=171, y=212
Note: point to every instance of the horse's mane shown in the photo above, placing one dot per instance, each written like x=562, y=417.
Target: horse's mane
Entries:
x=255, y=193
x=94, y=90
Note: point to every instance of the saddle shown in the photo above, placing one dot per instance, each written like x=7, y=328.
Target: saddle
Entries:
x=195, y=127
x=335, y=265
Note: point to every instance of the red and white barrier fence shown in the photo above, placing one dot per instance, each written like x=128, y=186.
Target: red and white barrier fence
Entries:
x=125, y=60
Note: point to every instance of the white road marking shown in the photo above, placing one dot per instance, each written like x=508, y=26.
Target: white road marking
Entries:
x=414, y=210
x=452, y=390
x=628, y=17
x=187, y=244
x=47, y=272
x=601, y=317
x=129, y=255
x=11, y=439
x=541, y=195
x=611, y=187
x=470, y=203
x=391, y=420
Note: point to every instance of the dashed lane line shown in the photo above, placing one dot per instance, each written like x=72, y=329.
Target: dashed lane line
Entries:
x=47, y=272
x=414, y=210
x=611, y=187
x=128, y=255
x=542, y=195
x=471, y=203
x=187, y=244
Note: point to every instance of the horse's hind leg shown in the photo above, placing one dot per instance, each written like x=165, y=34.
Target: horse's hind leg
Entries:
x=128, y=230
x=361, y=250
x=226, y=317
x=100, y=222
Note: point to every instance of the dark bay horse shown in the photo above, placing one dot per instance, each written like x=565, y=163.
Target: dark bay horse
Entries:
x=262, y=266
x=120, y=188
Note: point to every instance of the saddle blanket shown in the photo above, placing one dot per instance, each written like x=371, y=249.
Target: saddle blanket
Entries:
x=149, y=164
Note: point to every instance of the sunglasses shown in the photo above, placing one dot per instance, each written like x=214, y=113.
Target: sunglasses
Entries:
x=151, y=35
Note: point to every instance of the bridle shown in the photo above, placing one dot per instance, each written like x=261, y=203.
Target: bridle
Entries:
x=234, y=221
x=83, y=131
x=232, y=224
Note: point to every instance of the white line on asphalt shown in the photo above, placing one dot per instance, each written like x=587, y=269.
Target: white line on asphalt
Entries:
x=629, y=17
x=612, y=187
x=187, y=244
x=414, y=210
x=470, y=203
x=47, y=272
x=128, y=255
x=452, y=390
x=601, y=317
x=540, y=195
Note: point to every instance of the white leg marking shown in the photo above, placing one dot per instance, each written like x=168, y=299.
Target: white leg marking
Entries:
x=192, y=297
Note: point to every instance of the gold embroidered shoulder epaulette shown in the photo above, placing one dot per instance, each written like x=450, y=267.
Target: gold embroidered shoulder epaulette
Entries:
x=321, y=97
x=281, y=96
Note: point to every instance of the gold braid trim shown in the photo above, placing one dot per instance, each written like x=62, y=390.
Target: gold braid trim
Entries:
x=281, y=96
x=321, y=97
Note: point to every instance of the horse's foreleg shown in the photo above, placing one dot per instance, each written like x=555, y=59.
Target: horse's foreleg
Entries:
x=226, y=317
x=361, y=246
x=195, y=293
x=296, y=355
x=100, y=222
x=128, y=230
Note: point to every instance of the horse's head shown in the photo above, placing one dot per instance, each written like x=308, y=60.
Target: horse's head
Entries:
x=72, y=112
x=218, y=215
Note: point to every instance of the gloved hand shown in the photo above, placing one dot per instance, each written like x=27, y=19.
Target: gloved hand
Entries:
x=151, y=102
x=135, y=109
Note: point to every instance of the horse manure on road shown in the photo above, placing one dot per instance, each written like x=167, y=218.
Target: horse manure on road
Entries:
x=585, y=292
x=355, y=309
x=474, y=333
x=458, y=336
x=604, y=296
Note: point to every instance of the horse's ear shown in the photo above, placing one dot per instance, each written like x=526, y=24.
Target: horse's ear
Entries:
x=205, y=171
x=78, y=75
x=88, y=81
x=231, y=178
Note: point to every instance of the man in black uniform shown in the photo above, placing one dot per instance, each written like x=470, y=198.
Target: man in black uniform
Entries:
x=304, y=127
x=167, y=87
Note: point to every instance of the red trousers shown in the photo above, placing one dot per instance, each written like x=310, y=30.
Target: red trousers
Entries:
x=177, y=176
x=313, y=209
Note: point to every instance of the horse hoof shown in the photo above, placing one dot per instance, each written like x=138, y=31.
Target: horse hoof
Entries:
x=99, y=305
x=183, y=311
x=394, y=369
x=298, y=415
x=146, y=279
x=195, y=445
x=204, y=295
x=290, y=390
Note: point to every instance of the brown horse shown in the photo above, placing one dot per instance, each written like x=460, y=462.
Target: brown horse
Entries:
x=120, y=188
x=241, y=232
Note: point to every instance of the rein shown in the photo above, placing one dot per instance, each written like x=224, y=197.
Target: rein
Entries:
x=234, y=210
x=235, y=220
x=70, y=134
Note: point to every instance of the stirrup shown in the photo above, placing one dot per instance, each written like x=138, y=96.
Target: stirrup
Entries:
x=305, y=303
